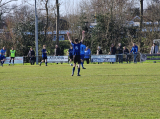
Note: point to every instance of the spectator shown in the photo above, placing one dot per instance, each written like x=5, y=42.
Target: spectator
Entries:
x=120, y=53
x=134, y=50
x=87, y=54
x=99, y=51
x=57, y=51
x=31, y=55
x=154, y=49
x=126, y=52
x=113, y=50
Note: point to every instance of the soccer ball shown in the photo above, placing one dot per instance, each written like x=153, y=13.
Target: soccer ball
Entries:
x=71, y=64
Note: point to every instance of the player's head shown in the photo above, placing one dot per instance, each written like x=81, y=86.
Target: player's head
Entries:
x=44, y=46
x=71, y=47
x=112, y=45
x=31, y=48
x=98, y=47
x=3, y=47
x=56, y=46
x=134, y=44
x=76, y=40
x=12, y=48
x=154, y=44
x=119, y=44
x=87, y=48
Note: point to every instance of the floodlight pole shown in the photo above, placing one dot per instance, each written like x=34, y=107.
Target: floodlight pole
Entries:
x=141, y=23
x=36, y=33
x=57, y=23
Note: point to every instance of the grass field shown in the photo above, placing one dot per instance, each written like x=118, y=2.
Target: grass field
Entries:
x=130, y=91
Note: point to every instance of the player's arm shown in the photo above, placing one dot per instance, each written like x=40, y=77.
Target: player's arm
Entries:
x=83, y=35
x=131, y=50
x=69, y=37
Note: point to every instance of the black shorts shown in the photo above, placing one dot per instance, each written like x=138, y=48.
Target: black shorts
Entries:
x=44, y=58
x=12, y=58
x=77, y=58
x=71, y=57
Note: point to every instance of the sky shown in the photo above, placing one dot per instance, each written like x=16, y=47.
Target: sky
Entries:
x=64, y=3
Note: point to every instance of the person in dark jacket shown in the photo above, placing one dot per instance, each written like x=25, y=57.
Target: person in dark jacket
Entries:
x=120, y=53
x=57, y=51
x=126, y=52
x=113, y=50
x=99, y=51
x=31, y=55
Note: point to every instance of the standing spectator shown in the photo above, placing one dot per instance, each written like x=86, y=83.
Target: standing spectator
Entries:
x=57, y=51
x=87, y=54
x=120, y=53
x=31, y=55
x=99, y=51
x=113, y=50
x=134, y=50
x=126, y=52
x=154, y=49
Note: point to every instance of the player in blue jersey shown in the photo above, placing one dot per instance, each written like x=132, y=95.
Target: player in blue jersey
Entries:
x=44, y=55
x=76, y=52
x=87, y=54
x=3, y=55
x=83, y=47
x=70, y=52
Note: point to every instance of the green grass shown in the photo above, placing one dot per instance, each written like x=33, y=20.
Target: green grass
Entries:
x=130, y=91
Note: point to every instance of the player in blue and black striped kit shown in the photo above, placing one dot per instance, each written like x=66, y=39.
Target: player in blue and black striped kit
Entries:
x=83, y=48
x=3, y=55
x=70, y=51
x=44, y=55
x=76, y=52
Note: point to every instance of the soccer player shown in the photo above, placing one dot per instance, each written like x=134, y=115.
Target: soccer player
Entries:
x=70, y=51
x=12, y=56
x=76, y=52
x=87, y=54
x=3, y=55
x=44, y=55
x=83, y=47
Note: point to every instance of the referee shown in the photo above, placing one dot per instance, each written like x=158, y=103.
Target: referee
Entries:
x=76, y=52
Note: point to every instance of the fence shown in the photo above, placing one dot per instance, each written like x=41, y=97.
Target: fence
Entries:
x=128, y=58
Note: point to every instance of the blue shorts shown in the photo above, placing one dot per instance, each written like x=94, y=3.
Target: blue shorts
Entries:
x=3, y=57
x=82, y=56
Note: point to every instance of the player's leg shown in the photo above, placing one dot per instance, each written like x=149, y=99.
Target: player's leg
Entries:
x=41, y=61
x=82, y=59
x=46, y=61
x=13, y=60
x=79, y=62
x=10, y=60
x=3, y=60
x=87, y=60
x=74, y=65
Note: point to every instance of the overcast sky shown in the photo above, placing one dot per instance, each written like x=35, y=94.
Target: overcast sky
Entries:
x=64, y=3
